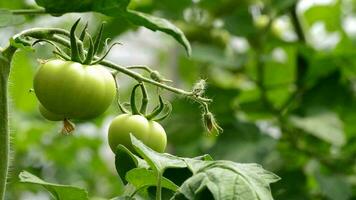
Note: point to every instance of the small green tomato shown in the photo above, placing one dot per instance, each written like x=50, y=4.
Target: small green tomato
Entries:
x=150, y=133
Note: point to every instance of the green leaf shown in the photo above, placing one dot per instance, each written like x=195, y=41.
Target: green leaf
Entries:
x=323, y=124
x=159, y=24
x=58, y=191
x=20, y=45
x=228, y=180
x=125, y=161
x=117, y=8
x=172, y=167
x=141, y=177
x=240, y=22
x=224, y=179
x=334, y=187
x=9, y=19
x=216, y=56
x=158, y=161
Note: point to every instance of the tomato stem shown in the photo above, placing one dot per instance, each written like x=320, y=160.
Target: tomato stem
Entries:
x=168, y=112
x=145, y=99
x=134, y=109
x=156, y=111
x=122, y=108
x=106, y=53
x=29, y=11
x=142, y=67
x=5, y=61
x=159, y=186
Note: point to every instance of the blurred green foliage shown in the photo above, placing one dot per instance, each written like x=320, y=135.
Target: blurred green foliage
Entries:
x=284, y=93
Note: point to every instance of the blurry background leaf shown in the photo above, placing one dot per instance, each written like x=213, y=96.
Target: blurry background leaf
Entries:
x=9, y=19
x=322, y=124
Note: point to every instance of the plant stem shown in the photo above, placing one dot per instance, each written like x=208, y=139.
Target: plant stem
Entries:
x=145, y=100
x=29, y=11
x=302, y=64
x=159, y=186
x=5, y=61
x=49, y=33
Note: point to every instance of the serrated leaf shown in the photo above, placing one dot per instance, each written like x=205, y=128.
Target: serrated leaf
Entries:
x=9, y=19
x=229, y=180
x=117, y=8
x=58, y=191
x=141, y=177
x=158, y=161
x=224, y=179
x=257, y=169
x=324, y=125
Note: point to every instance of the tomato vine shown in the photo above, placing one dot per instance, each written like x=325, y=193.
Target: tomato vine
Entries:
x=54, y=36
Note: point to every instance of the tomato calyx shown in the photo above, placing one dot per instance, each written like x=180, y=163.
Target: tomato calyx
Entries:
x=77, y=51
x=160, y=112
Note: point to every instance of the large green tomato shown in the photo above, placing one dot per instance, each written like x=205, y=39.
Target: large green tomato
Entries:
x=150, y=133
x=49, y=115
x=73, y=90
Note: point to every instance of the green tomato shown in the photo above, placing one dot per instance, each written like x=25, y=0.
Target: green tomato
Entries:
x=49, y=115
x=150, y=133
x=157, y=137
x=74, y=90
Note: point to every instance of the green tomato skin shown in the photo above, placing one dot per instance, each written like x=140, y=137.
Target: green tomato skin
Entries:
x=157, y=139
x=49, y=115
x=74, y=90
x=149, y=132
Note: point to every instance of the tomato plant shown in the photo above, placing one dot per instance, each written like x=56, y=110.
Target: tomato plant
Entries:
x=281, y=75
x=77, y=84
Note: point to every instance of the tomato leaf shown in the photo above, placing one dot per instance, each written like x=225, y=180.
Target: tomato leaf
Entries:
x=141, y=177
x=323, y=124
x=126, y=161
x=58, y=191
x=223, y=179
x=159, y=24
x=228, y=180
x=117, y=8
x=157, y=161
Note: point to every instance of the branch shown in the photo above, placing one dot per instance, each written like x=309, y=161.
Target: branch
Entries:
x=29, y=11
x=52, y=34
x=302, y=65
